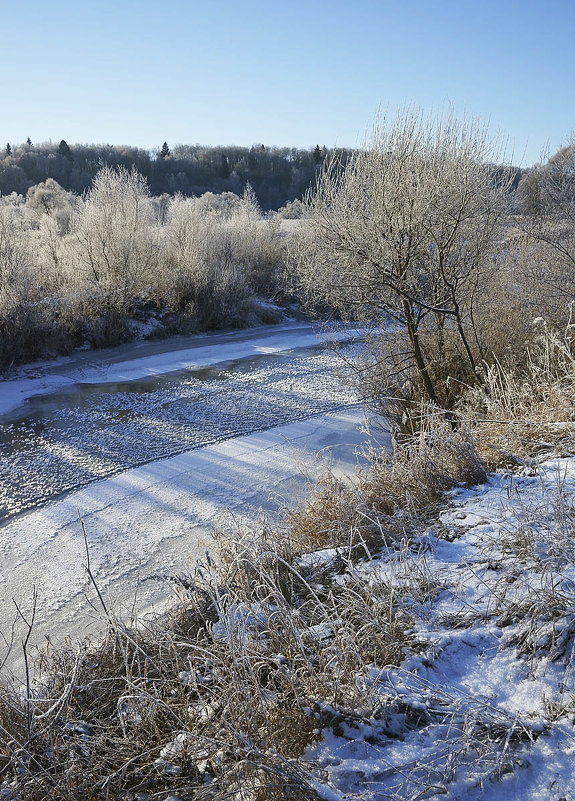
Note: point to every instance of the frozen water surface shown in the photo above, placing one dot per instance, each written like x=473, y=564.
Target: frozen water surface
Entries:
x=58, y=442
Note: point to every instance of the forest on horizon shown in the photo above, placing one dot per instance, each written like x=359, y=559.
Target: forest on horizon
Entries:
x=276, y=174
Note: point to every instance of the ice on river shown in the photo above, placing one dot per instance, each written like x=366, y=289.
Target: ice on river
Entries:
x=158, y=519
x=60, y=442
x=152, y=467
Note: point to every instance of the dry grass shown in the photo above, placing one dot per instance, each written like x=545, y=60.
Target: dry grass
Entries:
x=421, y=469
x=217, y=701
x=520, y=413
x=392, y=497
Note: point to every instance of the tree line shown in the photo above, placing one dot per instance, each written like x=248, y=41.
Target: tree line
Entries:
x=277, y=174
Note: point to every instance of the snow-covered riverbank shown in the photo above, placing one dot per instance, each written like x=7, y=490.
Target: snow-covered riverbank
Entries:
x=472, y=693
x=483, y=705
x=479, y=701
x=157, y=519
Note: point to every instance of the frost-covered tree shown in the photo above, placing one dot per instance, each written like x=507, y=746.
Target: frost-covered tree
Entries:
x=222, y=205
x=15, y=255
x=217, y=251
x=547, y=197
x=50, y=199
x=291, y=211
x=404, y=231
x=116, y=234
x=202, y=275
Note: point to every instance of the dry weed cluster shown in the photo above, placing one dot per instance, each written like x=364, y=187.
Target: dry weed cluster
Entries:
x=217, y=701
x=520, y=411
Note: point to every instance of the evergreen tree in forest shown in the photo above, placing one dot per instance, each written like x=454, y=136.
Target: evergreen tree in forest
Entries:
x=165, y=151
x=8, y=149
x=64, y=150
x=317, y=156
x=225, y=168
x=29, y=142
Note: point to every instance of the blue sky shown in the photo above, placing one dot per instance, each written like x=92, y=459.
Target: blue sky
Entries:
x=296, y=73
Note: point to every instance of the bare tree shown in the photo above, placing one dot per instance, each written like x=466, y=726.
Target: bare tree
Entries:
x=405, y=230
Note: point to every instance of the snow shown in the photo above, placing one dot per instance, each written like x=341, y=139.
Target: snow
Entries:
x=198, y=356
x=508, y=542
x=13, y=392
x=152, y=359
x=146, y=522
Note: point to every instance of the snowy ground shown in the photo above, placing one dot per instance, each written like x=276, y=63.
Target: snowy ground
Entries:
x=484, y=704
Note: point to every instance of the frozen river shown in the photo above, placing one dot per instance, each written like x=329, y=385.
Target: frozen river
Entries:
x=63, y=441
x=196, y=440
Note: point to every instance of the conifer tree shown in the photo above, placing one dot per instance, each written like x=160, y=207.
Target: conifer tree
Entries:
x=165, y=151
x=225, y=167
x=64, y=150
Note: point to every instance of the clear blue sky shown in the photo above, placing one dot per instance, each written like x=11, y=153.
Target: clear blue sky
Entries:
x=295, y=73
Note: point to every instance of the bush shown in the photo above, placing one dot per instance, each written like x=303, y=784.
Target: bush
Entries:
x=74, y=270
x=520, y=410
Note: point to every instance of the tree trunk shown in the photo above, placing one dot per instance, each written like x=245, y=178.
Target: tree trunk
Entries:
x=417, y=351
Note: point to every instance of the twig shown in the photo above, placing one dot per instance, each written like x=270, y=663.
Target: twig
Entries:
x=29, y=625
x=89, y=569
